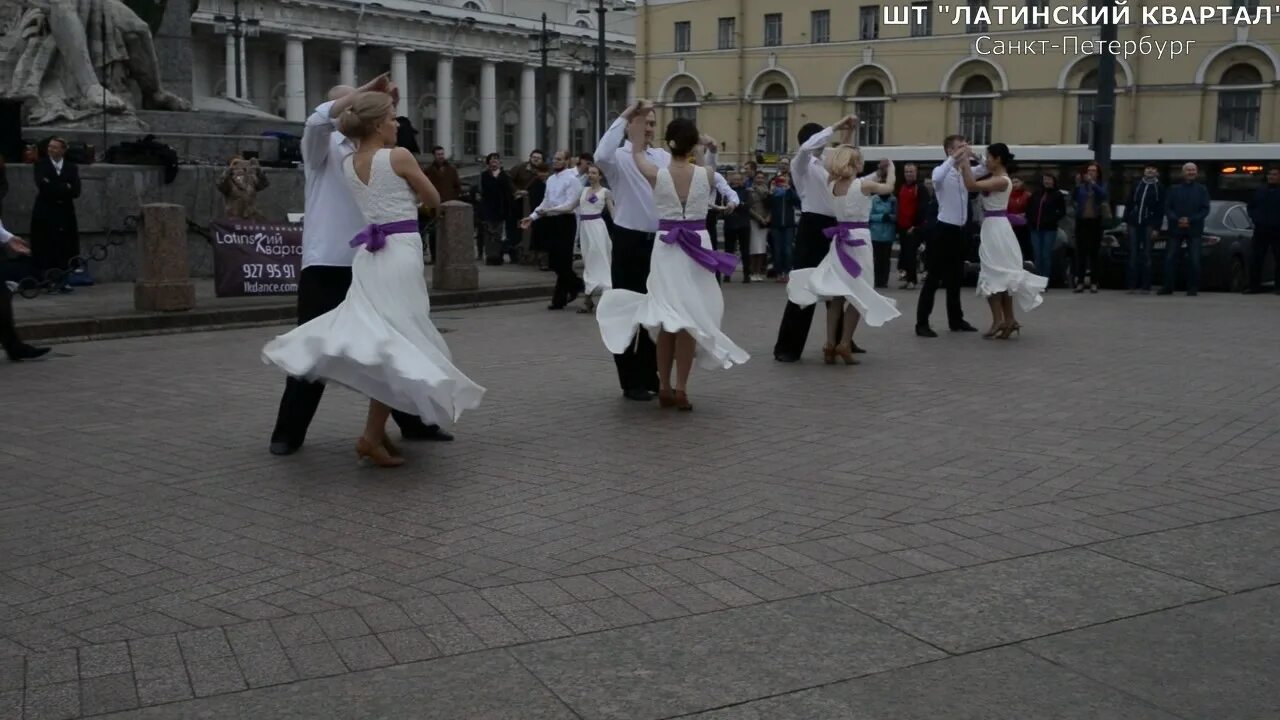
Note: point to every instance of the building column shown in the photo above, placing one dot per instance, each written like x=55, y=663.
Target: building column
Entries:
x=347, y=66
x=488, y=107
x=529, y=122
x=232, y=55
x=400, y=76
x=631, y=90
x=562, y=112
x=295, y=80
x=245, y=92
x=444, y=104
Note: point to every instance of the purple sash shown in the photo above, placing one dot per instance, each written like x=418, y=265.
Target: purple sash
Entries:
x=1017, y=219
x=374, y=237
x=685, y=234
x=840, y=233
x=995, y=214
x=597, y=216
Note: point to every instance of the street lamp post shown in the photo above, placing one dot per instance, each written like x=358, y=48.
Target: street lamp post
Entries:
x=543, y=42
x=240, y=28
x=1104, y=113
x=601, y=68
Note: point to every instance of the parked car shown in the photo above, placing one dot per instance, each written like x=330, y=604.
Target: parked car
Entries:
x=1225, y=251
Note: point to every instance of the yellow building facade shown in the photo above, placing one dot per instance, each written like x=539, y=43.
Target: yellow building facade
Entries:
x=752, y=72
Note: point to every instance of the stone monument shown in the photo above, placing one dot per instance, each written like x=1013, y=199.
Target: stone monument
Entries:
x=455, y=266
x=71, y=61
x=239, y=185
x=164, y=276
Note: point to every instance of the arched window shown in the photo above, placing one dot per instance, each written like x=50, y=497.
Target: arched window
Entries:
x=581, y=23
x=976, y=109
x=684, y=104
x=774, y=103
x=870, y=112
x=1086, y=102
x=1240, y=110
x=471, y=5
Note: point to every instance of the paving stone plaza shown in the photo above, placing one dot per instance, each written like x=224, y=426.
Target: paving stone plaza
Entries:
x=1083, y=524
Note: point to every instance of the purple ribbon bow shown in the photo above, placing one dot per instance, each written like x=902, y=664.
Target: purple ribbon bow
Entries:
x=591, y=198
x=685, y=234
x=374, y=237
x=597, y=216
x=840, y=234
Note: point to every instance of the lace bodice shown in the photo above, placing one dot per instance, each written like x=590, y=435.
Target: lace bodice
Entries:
x=587, y=207
x=667, y=202
x=854, y=206
x=998, y=199
x=387, y=198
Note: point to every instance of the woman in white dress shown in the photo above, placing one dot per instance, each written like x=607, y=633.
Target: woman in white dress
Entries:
x=379, y=341
x=683, y=307
x=1002, y=276
x=844, y=275
x=593, y=235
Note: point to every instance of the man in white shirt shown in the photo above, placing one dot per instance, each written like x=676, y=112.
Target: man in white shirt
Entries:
x=948, y=246
x=332, y=218
x=559, y=228
x=809, y=178
x=13, y=346
x=635, y=223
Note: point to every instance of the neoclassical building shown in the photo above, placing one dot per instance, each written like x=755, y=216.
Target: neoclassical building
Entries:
x=753, y=71
x=468, y=70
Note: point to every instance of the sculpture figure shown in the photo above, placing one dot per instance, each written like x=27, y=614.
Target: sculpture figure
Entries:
x=73, y=59
x=239, y=185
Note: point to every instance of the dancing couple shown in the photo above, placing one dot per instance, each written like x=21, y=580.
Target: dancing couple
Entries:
x=834, y=225
x=593, y=234
x=362, y=296
x=679, y=310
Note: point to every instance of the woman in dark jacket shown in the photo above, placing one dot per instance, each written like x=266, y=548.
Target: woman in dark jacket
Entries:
x=55, y=234
x=1045, y=210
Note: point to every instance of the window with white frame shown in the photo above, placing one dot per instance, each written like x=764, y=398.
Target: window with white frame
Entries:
x=820, y=26
x=977, y=107
x=773, y=29
x=683, y=36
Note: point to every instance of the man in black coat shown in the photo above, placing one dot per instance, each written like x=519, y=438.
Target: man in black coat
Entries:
x=55, y=234
x=1264, y=210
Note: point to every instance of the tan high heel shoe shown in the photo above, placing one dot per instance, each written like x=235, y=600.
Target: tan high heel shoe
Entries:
x=377, y=454
x=829, y=354
x=846, y=353
x=682, y=401
x=391, y=448
x=666, y=399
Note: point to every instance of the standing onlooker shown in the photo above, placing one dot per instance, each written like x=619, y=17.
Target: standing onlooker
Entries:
x=737, y=223
x=522, y=177
x=749, y=173
x=911, y=209
x=496, y=205
x=444, y=176
x=783, y=205
x=1045, y=210
x=585, y=161
x=1091, y=211
x=1264, y=209
x=1016, y=211
x=1186, y=209
x=761, y=201
x=55, y=234
x=884, y=230
x=1143, y=214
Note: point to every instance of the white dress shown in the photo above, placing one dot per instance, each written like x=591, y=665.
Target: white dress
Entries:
x=593, y=235
x=380, y=341
x=831, y=280
x=682, y=295
x=1001, y=258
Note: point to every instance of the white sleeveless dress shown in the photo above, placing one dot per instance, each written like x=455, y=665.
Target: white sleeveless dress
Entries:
x=1001, y=268
x=830, y=279
x=682, y=295
x=380, y=341
x=593, y=236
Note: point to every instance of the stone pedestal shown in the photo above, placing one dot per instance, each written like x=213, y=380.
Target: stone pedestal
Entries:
x=455, y=266
x=164, y=279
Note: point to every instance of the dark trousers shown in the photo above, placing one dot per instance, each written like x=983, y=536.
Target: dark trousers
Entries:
x=8, y=332
x=945, y=262
x=558, y=238
x=882, y=254
x=1264, y=239
x=737, y=241
x=713, y=221
x=1088, y=244
x=909, y=253
x=320, y=289
x=638, y=366
x=811, y=247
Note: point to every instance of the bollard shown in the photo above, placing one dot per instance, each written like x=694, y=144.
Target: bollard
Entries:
x=164, y=280
x=455, y=266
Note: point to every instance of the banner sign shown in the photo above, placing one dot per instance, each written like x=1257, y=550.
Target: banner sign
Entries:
x=252, y=258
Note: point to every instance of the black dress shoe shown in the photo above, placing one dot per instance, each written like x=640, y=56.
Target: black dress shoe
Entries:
x=857, y=350
x=28, y=352
x=553, y=306
x=428, y=433
x=786, y=358
x=964, y=327
x=925, y=331
x=282, y=448
x=638, y=395
x=1165, y=292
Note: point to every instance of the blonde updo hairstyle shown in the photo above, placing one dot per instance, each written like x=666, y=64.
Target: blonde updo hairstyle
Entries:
x=362, y=118
x=843, y=162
